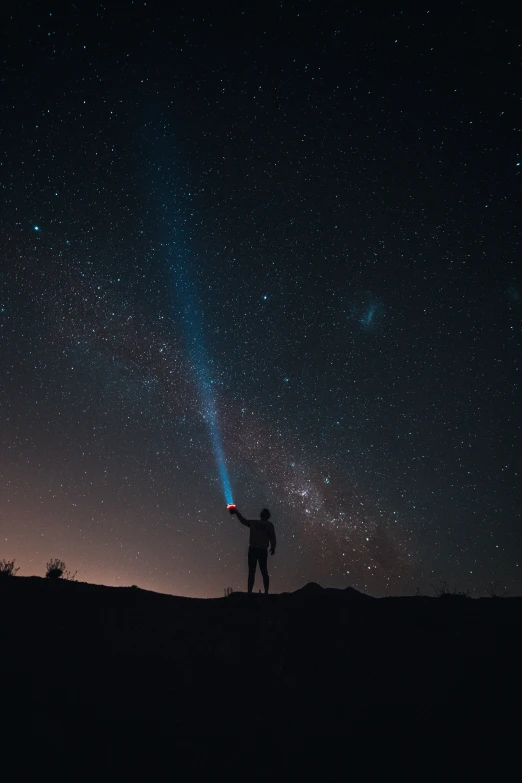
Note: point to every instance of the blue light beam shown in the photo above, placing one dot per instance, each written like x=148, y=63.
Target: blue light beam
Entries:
x=200, y=363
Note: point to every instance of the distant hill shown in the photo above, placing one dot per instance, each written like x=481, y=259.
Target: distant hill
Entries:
x=315, y=590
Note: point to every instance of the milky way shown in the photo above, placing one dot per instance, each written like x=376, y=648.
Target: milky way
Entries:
x=343, y=187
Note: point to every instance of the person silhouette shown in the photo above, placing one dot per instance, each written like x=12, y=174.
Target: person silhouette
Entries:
x=262, y=534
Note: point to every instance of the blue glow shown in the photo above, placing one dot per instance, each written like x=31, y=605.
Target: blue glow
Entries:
x=367, y=310
x=367, y=318
x=193, y=320
x=36, y=228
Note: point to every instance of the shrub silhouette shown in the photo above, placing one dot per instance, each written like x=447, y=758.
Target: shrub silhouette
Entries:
x=228, y=591
x=494, y=590
x=442, y=590
x=56, y=568
x=7, y=569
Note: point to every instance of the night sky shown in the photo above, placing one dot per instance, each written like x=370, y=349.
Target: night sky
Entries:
x=302, y=217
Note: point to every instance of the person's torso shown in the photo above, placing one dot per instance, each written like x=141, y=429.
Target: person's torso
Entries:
x=259, y=533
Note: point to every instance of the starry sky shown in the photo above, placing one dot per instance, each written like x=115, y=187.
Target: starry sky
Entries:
x=299, y=220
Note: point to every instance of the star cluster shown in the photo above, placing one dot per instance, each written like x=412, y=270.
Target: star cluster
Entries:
x=343, y=185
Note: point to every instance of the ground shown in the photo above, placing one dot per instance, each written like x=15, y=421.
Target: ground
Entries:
x=92, y=668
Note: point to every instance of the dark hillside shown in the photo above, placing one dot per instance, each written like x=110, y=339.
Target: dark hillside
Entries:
x=124, y=662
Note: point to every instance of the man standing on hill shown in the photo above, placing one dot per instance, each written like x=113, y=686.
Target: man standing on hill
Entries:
x=262, y=534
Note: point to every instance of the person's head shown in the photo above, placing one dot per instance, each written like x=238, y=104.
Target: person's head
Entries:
x=265, y=515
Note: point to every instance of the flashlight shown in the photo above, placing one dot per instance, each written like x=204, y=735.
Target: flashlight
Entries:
x=232, y=508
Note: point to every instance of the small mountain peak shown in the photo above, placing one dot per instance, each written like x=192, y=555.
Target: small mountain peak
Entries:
x=311, y=588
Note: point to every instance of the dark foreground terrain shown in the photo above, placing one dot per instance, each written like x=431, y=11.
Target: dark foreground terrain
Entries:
x=88, y=669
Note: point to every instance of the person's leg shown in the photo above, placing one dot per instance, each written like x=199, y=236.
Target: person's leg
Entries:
x=263, y=567
x=252, y=560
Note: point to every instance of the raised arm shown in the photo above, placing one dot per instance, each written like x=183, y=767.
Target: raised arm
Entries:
x=242, y=518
